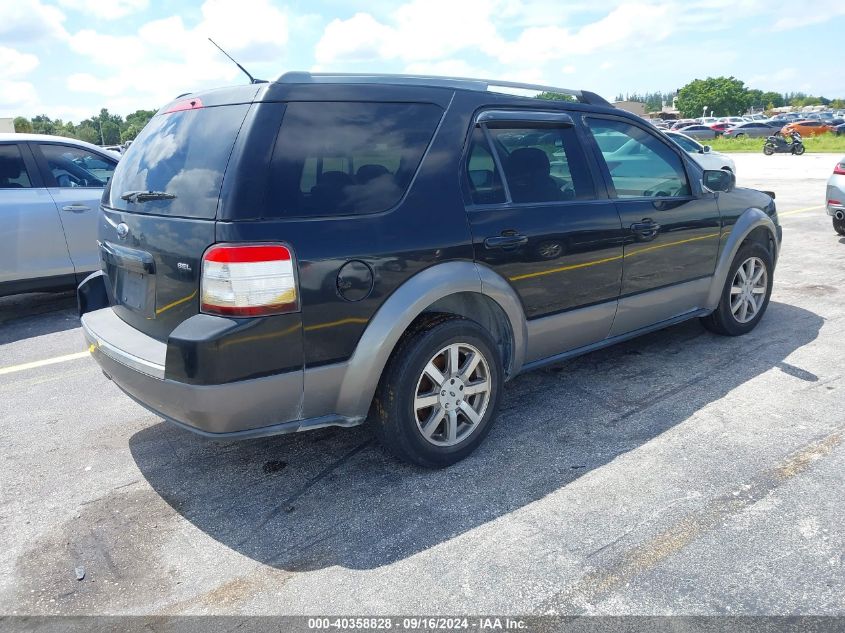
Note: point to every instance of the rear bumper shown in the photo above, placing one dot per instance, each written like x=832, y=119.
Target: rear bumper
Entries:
x=246, y=408
x=233, y=408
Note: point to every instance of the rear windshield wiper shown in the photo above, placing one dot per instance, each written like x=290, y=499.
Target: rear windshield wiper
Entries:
x=146, y=196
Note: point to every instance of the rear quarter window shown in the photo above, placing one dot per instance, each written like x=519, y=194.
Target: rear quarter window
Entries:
x=183, y=153
x=348, y=158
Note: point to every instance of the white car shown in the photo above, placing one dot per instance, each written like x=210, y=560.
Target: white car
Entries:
x=702, y=154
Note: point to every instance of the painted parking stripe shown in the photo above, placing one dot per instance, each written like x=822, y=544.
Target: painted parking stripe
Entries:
x=41, y=363
x=794, y=211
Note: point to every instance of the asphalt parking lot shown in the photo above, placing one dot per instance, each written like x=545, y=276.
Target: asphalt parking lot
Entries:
x=678, y=473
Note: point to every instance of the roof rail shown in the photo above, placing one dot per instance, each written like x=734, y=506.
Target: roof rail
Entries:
x=461, y=83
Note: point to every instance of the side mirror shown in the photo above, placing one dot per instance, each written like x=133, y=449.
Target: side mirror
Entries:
x=718, y=180
x=706, y=149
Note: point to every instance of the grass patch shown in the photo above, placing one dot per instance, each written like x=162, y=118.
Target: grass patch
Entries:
x=823, y=143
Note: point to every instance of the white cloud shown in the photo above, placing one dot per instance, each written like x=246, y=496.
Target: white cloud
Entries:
x=16, y=97
x=165, y=57
x=417, y=31
x=30, y=21
x=13, y=63
x=110, y=10
x=629, y=25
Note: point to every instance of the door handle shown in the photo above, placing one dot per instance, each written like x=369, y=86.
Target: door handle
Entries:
x=506, y=241
x=76, y=208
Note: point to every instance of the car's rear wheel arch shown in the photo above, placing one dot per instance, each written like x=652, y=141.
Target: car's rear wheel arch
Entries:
x=484, y=311
x=458, y=289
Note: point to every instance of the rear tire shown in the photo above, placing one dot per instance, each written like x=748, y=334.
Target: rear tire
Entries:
x=768, y=150
x=745, y=295
x=798, y=150
x=439, y=392
x=839, y=226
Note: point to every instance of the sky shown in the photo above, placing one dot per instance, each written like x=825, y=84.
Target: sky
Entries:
x=69, y=58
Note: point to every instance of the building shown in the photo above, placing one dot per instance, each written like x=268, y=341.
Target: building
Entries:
x=634, y=107
x=7, y=125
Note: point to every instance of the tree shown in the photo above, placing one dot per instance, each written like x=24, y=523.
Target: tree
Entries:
x=86, y=132
x=773, y=99
x=721, y=95
x=554, y=96
x=111, y=132
x=23, y=125
x=42, y=124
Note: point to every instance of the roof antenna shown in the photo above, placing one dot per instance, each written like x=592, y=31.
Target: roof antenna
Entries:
x=252, y=79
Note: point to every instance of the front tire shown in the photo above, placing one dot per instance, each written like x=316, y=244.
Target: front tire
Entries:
x=439, y=392
x=768, y=150
x=746, y=294
x=839, y=226
x=798, y=150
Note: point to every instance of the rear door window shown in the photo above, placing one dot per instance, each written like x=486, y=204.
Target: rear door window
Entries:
x=483, y=178
x=13, y=174
x=543, y=164
x=183, y=154
x=348, y=158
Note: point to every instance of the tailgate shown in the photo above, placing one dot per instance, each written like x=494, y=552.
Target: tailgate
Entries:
x=159, y=212
x=153, y=271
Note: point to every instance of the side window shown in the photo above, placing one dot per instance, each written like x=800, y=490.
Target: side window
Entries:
x=543, y=164
x=685, y=143
x=76, y=167
x=349, y=158
x=654, y=171
x=485, y=182
x=13, y=174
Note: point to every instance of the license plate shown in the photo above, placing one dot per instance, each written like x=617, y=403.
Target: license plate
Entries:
x=133, y=290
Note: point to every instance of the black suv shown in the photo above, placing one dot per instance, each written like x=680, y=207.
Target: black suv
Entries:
x=324, y=249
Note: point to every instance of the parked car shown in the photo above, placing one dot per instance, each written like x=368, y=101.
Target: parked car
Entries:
x=697, y=131
x=300, y=253
x=836, y=197
x=776, y=123
x=50, y=189
x=752, y=129
x=719, y=128
x=703, y=154
x=682, y=123
x=839, y=129
x=735, y=120
x=807, y=128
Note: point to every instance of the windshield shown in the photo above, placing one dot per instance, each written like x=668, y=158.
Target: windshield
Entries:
x=182, y=154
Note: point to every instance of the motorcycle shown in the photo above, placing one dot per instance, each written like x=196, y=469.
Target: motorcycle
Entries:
x=777, y=144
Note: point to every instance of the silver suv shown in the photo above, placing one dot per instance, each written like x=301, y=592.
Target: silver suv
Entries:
x=50, y=190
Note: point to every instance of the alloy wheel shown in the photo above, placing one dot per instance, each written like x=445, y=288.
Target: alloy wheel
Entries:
x=452, y=394
x=748, y=289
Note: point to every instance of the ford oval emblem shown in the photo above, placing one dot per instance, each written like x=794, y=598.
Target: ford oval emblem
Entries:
x=122, y=230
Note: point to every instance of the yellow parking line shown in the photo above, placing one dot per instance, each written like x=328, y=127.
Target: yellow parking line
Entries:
x=41, y=363
x=782, y=215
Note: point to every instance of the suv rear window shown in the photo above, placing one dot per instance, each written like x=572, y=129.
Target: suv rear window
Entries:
x=349, y=158
x=182, y=153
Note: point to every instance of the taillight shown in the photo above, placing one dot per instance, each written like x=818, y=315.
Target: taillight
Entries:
x=248, y=280
x=839, y=169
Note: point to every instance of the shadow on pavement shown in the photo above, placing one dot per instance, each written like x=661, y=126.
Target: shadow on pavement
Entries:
x=333, y=497
x=27, y=315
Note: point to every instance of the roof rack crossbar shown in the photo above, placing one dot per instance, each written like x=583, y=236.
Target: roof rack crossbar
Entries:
x=466, y=83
